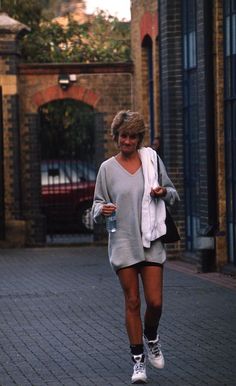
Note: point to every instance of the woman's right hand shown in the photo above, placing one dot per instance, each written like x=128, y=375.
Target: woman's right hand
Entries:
x=108, y=209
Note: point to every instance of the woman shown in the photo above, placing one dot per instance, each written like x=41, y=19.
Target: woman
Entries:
x=128, y=184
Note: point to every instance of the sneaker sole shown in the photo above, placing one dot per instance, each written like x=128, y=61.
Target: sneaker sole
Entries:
x=139, y=381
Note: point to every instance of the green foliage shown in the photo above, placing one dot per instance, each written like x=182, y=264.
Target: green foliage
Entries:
x=53, y=43
x=67, y=129
x=109, y=38
x=103, y=39
x=28, y=12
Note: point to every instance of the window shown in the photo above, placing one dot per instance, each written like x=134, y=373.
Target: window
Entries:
x=147, y=71
x=189, y=27
x=230, y=122
x=191, y=131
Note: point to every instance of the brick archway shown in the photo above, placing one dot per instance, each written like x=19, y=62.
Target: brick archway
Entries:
x=106, y=88
x=149, y=25
x=74, y=92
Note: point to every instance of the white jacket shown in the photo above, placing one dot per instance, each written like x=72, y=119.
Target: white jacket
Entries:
x=153, y=209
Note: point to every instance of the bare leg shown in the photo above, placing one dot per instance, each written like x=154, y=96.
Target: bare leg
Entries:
x=152, y=278
x=130, y=284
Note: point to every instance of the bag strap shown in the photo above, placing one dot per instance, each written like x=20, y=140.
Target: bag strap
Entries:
x=158, y=171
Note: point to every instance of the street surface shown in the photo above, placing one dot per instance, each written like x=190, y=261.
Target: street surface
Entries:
x=62, y=322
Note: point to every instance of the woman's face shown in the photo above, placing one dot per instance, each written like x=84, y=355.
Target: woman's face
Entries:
x=128, y=142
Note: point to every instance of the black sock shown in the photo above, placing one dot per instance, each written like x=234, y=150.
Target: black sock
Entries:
x=136, y=349
x=150, y=332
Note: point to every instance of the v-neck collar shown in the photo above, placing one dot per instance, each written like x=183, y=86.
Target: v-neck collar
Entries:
x=125, y=170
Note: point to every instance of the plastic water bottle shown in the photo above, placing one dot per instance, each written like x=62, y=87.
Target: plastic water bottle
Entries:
x=111, y=223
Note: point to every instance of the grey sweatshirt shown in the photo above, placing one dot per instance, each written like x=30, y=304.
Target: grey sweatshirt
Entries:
x=115, y=184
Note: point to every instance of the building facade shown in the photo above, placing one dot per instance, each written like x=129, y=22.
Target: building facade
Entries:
x=24, y=90
x=183, y=80
x=184, y=54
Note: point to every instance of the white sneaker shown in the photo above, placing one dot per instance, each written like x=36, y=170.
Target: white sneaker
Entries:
x=154, y=353
x=139, y=374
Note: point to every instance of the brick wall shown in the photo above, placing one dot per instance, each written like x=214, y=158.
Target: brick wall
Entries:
x=163, y=27
x=25, y=88
x=14, y=223
x=107, y=88
x=202, y=113
x=144, y=24
x=218, y=49
x=167, y=44
x=207, y=177
x=172, y=103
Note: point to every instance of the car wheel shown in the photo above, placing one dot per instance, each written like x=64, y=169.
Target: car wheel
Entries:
x=87, y=219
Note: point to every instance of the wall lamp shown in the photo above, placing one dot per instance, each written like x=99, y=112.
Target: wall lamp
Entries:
x=64, y=81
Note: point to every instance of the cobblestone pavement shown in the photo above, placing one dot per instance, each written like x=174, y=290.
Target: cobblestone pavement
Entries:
x=61, y=323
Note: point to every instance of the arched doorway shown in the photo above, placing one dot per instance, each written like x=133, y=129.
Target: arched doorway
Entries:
x=67, y=167
x=147, y=76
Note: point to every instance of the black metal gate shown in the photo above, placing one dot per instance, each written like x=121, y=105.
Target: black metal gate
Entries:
x=2, y=212
x=68, y=167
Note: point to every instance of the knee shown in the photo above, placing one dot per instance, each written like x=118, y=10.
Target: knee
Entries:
x=155, y=306
x=133, y=304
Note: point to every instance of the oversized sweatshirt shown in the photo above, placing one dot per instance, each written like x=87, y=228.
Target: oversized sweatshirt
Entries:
x=116, y=185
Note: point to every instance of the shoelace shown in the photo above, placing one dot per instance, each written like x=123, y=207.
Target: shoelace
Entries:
x=155, y=348
x=139, y=367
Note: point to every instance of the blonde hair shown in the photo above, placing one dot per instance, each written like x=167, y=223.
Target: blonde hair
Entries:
x=130, y=121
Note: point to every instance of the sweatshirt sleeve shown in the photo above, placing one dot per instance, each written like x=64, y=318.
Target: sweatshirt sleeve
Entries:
x=172, y=195
x=101, y=195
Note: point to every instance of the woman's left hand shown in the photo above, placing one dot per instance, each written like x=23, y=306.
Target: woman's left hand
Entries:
x=160, y=191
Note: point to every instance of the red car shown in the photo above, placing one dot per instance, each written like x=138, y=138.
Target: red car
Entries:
x=67, y=189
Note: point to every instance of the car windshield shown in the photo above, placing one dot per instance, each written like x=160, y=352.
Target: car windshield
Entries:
x=66, y=172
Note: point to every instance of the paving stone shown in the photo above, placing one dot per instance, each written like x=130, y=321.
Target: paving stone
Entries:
x=62, y=323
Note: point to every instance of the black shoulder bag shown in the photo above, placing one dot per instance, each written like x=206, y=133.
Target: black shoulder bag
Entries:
x=172, y=233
